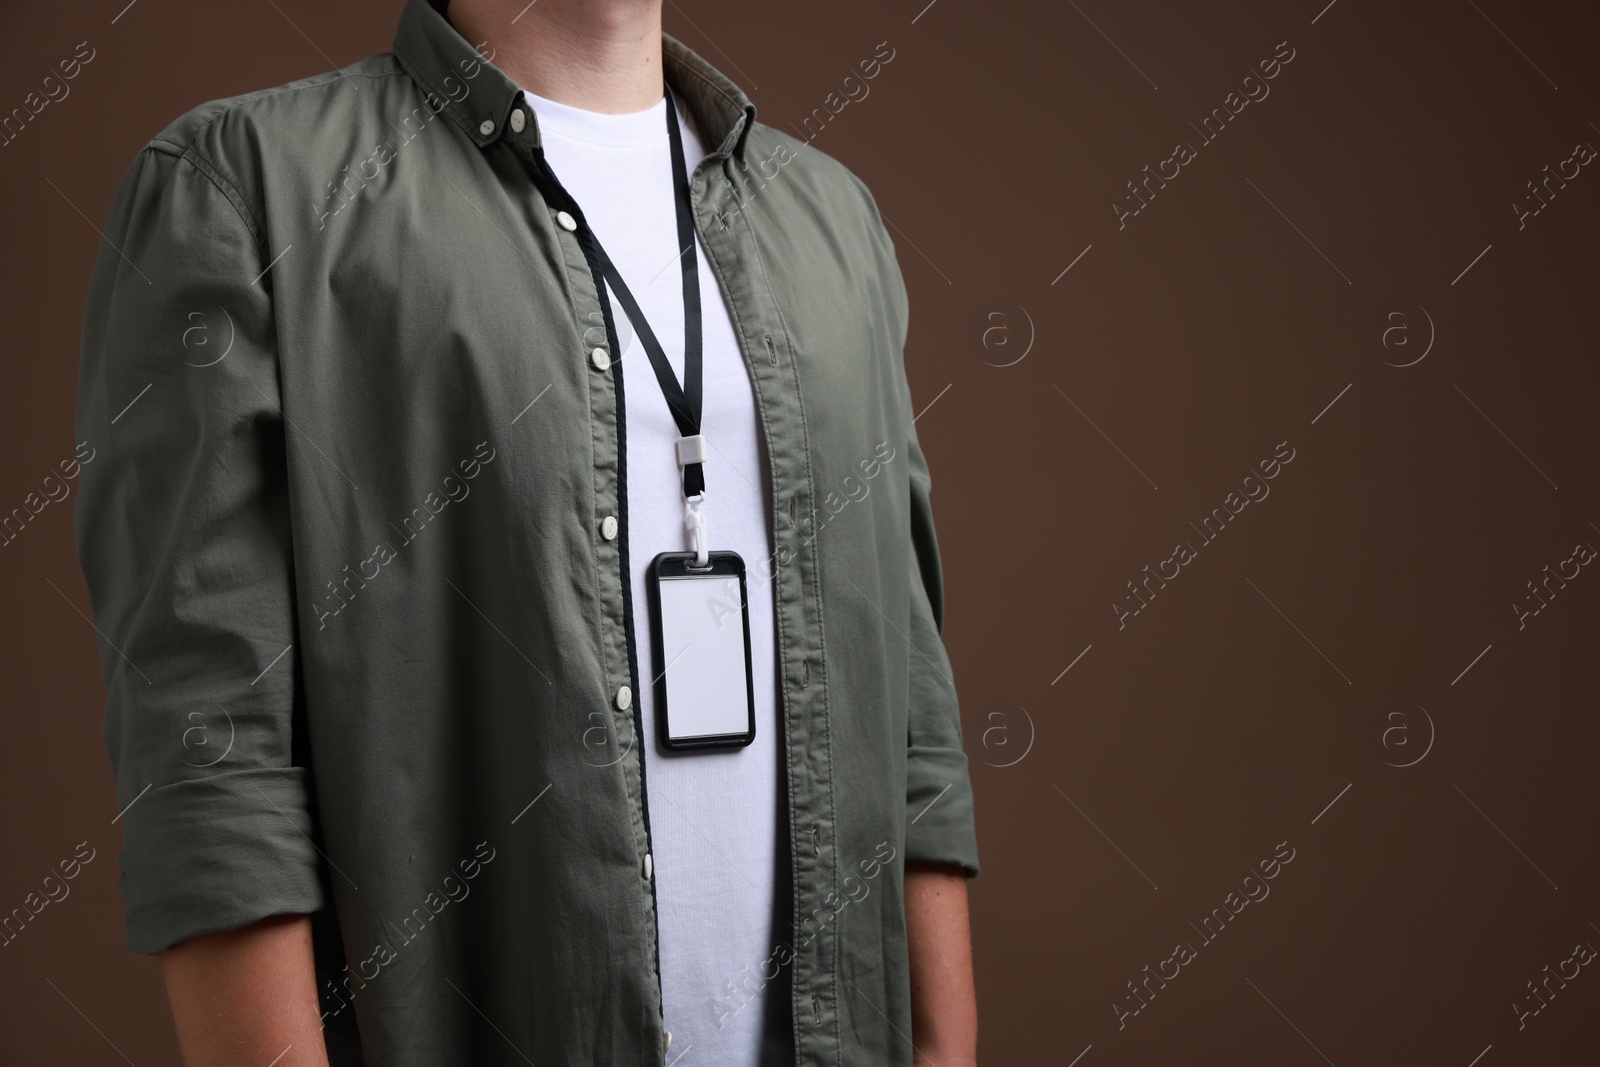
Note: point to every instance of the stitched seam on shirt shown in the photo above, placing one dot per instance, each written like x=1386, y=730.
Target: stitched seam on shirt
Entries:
x=816, y=585
x=250, y=98
x=783, y=633
x=214, y=175
x=570, y=293
x=599, y=580
x=586, y=240
x=218, y=175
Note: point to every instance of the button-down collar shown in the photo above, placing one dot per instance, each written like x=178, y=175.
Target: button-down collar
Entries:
x=479, y=97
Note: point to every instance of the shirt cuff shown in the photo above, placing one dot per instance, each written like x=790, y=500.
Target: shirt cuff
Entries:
x=939, y=817
x=217, y=853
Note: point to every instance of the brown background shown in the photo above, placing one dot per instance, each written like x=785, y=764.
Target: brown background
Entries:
x=1248, y=704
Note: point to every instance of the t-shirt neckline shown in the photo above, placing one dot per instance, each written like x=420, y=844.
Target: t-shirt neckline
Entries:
x=627, y=129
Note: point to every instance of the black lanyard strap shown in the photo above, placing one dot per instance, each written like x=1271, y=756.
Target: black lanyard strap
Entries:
x=684, y=402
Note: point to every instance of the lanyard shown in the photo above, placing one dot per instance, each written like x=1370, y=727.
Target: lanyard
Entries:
x=683, y=401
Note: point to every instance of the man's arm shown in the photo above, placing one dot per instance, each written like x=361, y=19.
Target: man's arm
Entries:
x=183, y=533
x=247, y=996
x=944, y=1005
x=941, y=847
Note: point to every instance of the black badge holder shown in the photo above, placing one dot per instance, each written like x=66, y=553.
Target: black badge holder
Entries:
x=700, y=643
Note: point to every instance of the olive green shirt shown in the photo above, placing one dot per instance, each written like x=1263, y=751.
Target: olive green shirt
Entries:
x=355, y=543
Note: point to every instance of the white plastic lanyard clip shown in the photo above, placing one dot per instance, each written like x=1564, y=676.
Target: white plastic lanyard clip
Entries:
x=695, y=523
x=693, y=450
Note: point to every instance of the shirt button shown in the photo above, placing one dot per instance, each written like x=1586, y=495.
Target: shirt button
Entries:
x=608, y=527
x=486, y=127
x=648, y=867
x=666, y=1040
x=624, y=698
x=519, y=120
x=602, y=359
x=566, y=221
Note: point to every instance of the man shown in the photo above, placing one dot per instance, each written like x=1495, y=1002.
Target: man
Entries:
x=377, y=553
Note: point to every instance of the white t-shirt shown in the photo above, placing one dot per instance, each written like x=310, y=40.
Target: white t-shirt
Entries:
x=714, y=816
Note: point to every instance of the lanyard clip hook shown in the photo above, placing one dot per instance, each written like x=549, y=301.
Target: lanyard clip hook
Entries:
x=695, y=523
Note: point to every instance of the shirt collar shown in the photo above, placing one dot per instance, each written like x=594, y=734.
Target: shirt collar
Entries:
x=478, y=96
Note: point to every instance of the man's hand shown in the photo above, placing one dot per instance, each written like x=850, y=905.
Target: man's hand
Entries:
x=944, y=1004
x=243, y=997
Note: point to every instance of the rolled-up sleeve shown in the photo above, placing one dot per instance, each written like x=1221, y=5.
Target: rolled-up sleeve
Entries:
x=940, y=826
x=183, y=535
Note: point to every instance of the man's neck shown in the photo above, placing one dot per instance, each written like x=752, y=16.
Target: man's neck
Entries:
x=598, y=55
